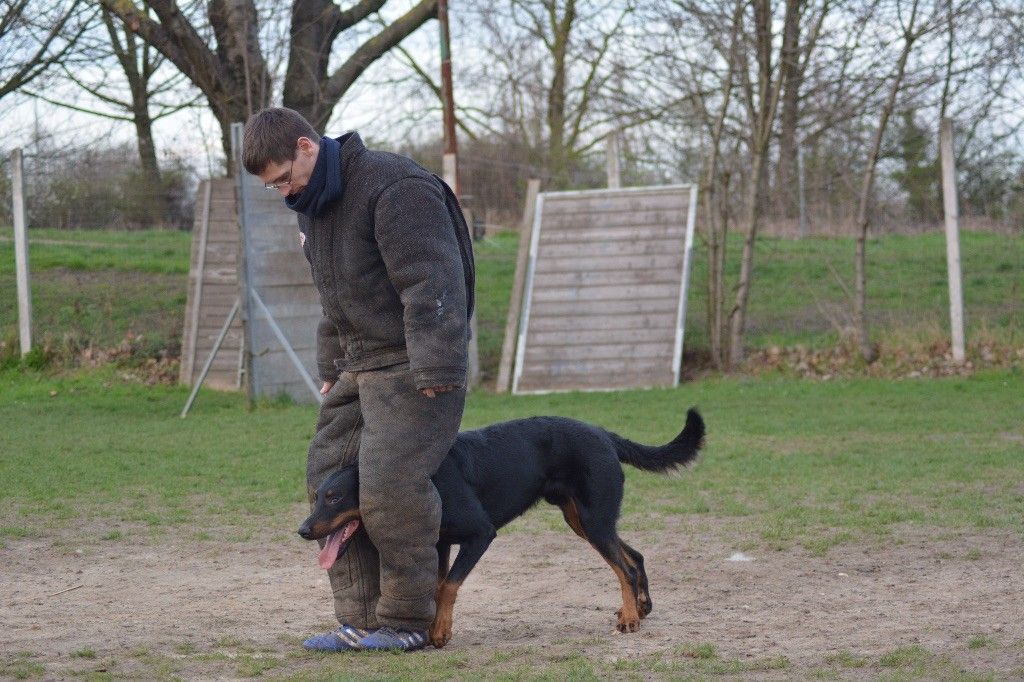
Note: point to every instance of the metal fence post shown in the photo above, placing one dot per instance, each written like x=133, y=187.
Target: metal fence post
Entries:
x=952, y=211
x=21, y=254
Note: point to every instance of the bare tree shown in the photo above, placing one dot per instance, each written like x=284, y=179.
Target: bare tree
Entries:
x=35, y=36
x=912, y=27
x=137, y=90
x=761, y=98
x=800, y=42
x=220, y=51
x=553, y=77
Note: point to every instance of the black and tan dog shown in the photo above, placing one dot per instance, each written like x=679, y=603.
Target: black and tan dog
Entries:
x=494, y=474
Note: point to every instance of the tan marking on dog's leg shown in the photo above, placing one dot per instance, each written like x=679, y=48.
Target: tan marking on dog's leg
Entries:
x=641, y=598
x=572, y=517
x=441, y=629
x=629, y=614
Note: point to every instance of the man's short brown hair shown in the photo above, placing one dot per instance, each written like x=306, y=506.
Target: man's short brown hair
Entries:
x=270, y=136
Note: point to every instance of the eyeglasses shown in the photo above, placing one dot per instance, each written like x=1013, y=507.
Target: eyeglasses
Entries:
x=282, y=183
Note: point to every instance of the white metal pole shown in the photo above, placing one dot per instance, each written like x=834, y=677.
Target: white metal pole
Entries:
x=952, y=210
x=21, y=254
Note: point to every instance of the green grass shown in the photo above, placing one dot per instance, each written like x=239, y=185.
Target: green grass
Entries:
x=152, y=251
x=20, y=666
x=102, y=284
x=906, y=287
x=495, y=269
x=134, y=282
x=788, y=463
x=700, y=659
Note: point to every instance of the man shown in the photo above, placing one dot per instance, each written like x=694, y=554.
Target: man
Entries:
x=391, y=256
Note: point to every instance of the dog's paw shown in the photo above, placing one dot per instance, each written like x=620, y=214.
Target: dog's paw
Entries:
x=644, y=606
x=440, y=634
x=628, y=624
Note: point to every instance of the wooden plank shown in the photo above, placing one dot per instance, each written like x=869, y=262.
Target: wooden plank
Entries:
x=567, y=367
x=603, y=307
x=602, y=221
x=541, y=383
x=570, y=323
x=610, y=249
x=194, y=305
x=227, y=227
x=597, y=293
x=226, y=362
x=208, y=334
x=604, y=336
x=664, y=261
x=216, y=309
x=615, y=234
x=222, y=381
x=608, y=278
x=222, y=252
x=519, y=282
x=221, y=275
x=645, y=350
x=631, y=203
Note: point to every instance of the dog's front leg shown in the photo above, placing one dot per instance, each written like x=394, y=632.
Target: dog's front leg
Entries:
x=469, y=554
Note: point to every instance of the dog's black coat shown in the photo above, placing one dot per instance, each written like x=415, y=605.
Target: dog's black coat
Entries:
x=494, y=474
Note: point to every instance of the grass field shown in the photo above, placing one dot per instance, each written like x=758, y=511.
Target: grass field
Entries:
x=789, y=462
x=790, y=466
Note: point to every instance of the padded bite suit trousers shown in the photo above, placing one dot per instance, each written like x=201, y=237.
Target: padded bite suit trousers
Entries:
x=388, y=576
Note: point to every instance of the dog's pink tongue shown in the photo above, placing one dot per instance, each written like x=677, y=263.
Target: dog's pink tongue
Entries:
x=329, y=554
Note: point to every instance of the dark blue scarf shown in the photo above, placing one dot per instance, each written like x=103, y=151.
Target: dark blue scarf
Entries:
x=324, y=184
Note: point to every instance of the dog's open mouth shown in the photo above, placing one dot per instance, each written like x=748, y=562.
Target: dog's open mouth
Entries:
x=336, y=543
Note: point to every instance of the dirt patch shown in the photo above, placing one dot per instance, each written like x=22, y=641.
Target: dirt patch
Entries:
x=134, y=601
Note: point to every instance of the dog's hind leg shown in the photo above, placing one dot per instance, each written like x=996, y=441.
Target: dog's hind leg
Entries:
x=644, y=603
x=602, y=536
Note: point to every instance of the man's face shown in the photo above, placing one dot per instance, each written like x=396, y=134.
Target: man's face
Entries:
x=291, y=177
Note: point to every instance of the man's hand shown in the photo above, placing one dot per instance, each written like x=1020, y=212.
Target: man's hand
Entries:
x=435, y=390
x=325, y=389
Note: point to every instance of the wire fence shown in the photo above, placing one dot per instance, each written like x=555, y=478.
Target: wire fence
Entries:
x=98, y=290
x=100, y=188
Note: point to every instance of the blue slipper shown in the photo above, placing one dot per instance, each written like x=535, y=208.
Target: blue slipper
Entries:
x=390, y=639
x=345, y=638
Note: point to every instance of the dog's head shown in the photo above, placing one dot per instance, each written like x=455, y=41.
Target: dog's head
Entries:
x=335, y=514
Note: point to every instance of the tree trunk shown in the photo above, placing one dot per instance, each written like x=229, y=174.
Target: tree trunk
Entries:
x=752, y=219
x=716, y=208
x=136, y=67
x=762, y=117
x=316, y=24
x=785, y=173
x=562, y=28
x=867, y=349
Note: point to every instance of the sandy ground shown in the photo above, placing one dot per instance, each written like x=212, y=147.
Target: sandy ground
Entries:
x=544, y=589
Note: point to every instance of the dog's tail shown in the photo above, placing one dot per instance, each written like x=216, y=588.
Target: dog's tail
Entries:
x=682, y=450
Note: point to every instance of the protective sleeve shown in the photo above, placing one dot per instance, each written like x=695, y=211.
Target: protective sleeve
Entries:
x=418, y=244
x=328, y=349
